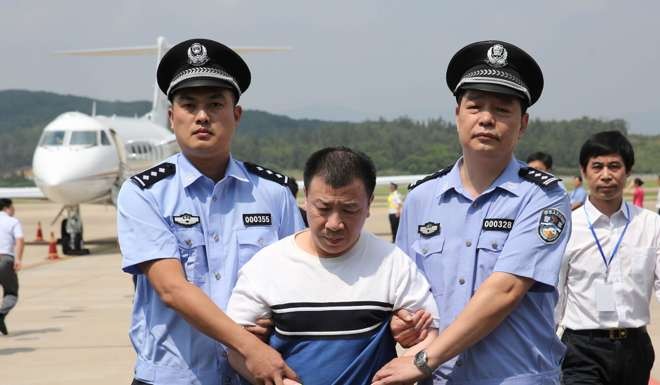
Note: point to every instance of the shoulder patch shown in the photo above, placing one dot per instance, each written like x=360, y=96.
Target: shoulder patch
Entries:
x=541, y=178
x=268, y=174
x=149, y=177
x=435, y=175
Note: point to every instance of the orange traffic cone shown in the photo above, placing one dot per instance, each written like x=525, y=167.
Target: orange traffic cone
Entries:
x=52, y=247
x=40, y=234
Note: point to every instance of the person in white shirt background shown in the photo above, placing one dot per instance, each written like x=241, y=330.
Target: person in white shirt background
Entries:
x=608, y=274
x=11, y=255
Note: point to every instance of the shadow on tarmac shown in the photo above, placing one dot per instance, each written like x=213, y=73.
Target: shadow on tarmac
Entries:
x=20, y=333
x=9, y=351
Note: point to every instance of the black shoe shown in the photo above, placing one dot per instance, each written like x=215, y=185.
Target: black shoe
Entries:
x=3, y=327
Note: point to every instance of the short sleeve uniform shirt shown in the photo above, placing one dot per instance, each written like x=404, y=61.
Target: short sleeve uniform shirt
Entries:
x=519, y=225
x=212, y=229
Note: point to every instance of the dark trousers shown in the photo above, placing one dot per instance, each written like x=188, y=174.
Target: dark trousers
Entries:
x=9, y=282
x=592, y=357
x=138, y=382
x=394, y=225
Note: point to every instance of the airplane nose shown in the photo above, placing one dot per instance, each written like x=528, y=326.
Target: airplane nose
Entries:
x=70, y=176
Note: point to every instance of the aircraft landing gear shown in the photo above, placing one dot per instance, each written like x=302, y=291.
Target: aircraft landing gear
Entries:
x=72, y=232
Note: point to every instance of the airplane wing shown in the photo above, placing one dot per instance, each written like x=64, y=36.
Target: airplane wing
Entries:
x=403, y=180
x=21, y=192
x=398, y=179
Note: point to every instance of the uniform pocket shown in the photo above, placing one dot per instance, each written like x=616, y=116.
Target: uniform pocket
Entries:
x=251, y=240
x=489, y=247
x=192, y=253
x=436, y=266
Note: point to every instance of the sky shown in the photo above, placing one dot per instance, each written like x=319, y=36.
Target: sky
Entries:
x=351, y=60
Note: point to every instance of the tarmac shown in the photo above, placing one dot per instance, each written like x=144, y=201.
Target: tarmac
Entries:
x=71, y=322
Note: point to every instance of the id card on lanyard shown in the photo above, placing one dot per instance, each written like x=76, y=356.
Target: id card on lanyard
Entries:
x=605, y=289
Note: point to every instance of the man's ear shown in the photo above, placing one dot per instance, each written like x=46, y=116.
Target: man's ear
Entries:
x=371, y=200
x=238, y=112
x=524, y=121
x=169, y=117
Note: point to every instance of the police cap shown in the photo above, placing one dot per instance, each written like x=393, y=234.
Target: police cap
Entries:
x=202, y=63
x=495, y=66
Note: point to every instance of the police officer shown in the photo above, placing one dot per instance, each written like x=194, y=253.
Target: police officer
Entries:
x=187, y=225
x=11, y=257
x=489, y=233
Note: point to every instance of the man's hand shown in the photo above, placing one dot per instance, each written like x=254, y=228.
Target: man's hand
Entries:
x=400, y=371
x=410, y=329
x=262, y=329
x=267, y=366
x=17, y=265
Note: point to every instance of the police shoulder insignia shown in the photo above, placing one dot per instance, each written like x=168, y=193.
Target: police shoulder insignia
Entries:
x=268, y=174
x=551, y=224
x=428, y=229
x=149, y=177
x=186, y=220
x=435, y=175
x=541, y=178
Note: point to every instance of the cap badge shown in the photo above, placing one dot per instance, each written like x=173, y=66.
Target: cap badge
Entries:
x=497, y=56
x=197, y=55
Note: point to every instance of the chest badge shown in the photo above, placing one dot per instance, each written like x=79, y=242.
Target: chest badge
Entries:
x=428, y=229
x=551, y=224
x=186, y=220
x=263, y=219
x=497, y=224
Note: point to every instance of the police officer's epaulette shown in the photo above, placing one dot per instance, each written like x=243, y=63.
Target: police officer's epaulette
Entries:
x=427, y=178
x=269, y=174
x=541, y=178
x=149, y=177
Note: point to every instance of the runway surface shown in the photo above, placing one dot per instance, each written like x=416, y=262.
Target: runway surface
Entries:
x=71, y=322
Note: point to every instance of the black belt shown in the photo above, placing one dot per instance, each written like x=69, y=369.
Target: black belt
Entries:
x=613, y=334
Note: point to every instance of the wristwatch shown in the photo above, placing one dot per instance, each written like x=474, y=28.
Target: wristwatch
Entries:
x=421, y=362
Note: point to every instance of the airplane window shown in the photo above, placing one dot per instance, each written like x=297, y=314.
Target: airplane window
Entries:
x=84, y=138
x=105, y=141
x=52, y=138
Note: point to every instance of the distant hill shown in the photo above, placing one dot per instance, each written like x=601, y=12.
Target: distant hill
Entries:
x=397, y=146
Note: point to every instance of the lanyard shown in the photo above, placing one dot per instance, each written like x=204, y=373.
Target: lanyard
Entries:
x=618, y=243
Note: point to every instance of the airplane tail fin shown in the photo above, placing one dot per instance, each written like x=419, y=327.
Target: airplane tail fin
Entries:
x=160, y=104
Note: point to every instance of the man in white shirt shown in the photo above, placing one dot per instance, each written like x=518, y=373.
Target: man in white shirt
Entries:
x=331, y=289
x=11, y=255
x=608, y=274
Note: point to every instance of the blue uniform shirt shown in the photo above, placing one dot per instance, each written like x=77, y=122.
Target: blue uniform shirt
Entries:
x=579, y=195
x=213, y=229
x=515, y=226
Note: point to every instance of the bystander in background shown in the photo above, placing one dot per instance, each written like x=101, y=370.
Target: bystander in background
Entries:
x=11, y=255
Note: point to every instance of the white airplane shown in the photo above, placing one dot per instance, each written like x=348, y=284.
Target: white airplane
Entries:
x=84, y=158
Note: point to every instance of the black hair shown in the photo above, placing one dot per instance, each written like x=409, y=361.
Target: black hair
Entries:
x=579, y=177
x=339, y=166
x=542, y=157
x=4, y=203
x=638, y=181
x=293, y=186
x=607, y=143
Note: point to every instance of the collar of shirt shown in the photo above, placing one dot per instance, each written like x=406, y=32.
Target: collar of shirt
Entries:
x=596, y=217
x=190, y=174
x=508, y=180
